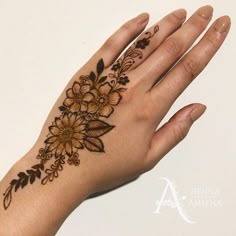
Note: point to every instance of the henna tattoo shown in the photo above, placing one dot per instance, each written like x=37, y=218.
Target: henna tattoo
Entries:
x=54, y=169
x=80, y=125
x=124, y=63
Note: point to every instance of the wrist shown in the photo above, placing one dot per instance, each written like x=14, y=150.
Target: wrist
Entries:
x=49, y=203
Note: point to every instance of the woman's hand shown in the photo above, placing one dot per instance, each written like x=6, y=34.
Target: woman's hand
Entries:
x=104, y=132
x=141, y=86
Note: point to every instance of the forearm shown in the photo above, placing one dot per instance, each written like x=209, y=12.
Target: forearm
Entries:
x=52, y=179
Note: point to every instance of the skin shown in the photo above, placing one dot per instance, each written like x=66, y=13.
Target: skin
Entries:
x=135, y=145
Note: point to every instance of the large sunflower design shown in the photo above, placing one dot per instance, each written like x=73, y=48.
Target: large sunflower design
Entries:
x=66, y=135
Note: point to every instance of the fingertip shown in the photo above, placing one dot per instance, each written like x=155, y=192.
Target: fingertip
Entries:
x=142, y=18
x=191, y=112
x=181, y=13
x=197, y=111
x=206, y=12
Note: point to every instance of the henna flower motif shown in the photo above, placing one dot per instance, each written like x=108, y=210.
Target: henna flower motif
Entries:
x=143, y=43
x=104, y=100
x=123, y=80
x=88, y=116
x=66, y=135
x=44, y=155
x=116, y=66
x=78, y=97
x=84, y=79
x=74, y=159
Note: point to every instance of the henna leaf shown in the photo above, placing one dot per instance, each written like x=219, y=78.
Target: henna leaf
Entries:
x=62, y=108
x=38, y=166
x=38, y=173
x=126, y=66
x=94, y=144
x=17, y=185
x=24, y=182
x=35, y=166
x=30, y=172
x=13, y=182
x=136, y=53
x=45, y=180
x=156, y=28
x=21, y=175
x=103, y=79
x=41, y=166
x=32, y=179
x=24, y=178
x=97, y=128
x=92, y=76
x=100, y=66
x=7, y=197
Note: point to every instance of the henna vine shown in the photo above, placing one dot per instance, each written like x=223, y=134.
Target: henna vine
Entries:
x=91, y=98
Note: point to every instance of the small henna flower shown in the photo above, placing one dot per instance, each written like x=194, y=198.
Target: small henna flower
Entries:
x=104, y=100
x=123, y=80
x=116, y=66
x=74, y=159
x=88, y=116
x=143, y=43
x=66, y=134
x=78, y=97
x=44, y=155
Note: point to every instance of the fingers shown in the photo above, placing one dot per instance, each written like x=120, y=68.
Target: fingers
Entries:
x=173, y=132
x=116, y=43
x=152, y=38
x=174, y=47
x=190, y=66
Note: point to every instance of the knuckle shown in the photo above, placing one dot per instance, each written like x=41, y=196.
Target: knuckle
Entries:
x=128, y=95
x=211, y=39
x=126, y=98
x=179, y=131
x=144, y=114
x=173, y=47
x=146, y=111
x=109, y=43
x=174, y=19
x=191, y=66
x=128, y=26
x=198, y=24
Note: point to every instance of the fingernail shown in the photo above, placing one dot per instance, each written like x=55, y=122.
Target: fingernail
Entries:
x=222, y=24
x=142, y=18
x=181, y=14
x=197, y=112
x=206, y=12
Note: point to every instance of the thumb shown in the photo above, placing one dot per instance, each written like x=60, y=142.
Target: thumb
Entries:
x=172, y=132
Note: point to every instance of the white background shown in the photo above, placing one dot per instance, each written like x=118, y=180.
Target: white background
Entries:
x=42, y=44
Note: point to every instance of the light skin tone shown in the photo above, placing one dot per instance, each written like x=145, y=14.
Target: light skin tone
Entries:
x=135, y=143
